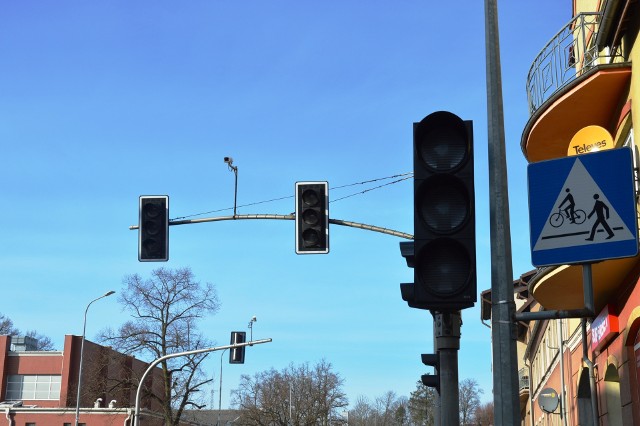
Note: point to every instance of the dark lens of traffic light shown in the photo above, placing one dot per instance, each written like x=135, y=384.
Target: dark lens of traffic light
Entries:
x=445, y=266
x=310, y=217
x=310, y=237
x=444, y=203
x=310, y=198
x=151, y=210
x=442, y=143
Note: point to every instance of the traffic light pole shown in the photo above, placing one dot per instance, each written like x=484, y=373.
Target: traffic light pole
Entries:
x=447, y=343
x=136, y=411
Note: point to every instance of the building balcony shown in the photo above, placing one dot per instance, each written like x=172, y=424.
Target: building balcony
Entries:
x=523, y=386
x=572, y=83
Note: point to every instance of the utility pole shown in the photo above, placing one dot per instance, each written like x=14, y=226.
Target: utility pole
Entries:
x=503, y=328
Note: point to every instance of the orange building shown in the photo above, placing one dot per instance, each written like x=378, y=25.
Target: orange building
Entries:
x=39, y=387
x=582, y=89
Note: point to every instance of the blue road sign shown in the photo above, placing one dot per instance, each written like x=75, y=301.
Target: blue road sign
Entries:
x=582, y=209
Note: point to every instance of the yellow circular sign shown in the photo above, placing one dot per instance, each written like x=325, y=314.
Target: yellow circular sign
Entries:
x=590, y=139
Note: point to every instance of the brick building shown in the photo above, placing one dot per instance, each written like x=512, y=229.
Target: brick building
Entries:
x=38, y=388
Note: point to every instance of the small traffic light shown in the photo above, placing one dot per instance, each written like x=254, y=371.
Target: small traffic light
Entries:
x=236, y=355
x=431, y=380
x=153, y=228
x=444, y=213
x=312, y=217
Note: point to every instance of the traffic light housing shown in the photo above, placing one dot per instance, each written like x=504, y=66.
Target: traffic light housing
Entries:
x=312, y=217
x=153, y=228
x=236, y=355
x=431, y=380
x=444, y=213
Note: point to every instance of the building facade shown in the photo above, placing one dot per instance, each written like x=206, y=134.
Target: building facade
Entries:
x=582, y=90
x=40, y=387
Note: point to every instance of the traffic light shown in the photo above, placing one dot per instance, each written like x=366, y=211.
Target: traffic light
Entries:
x=444, y=216
x=312, y=217
x=431, y=380
x=153, y=228
x=236, y=355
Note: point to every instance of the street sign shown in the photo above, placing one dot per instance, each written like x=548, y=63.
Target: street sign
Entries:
x=582, y=209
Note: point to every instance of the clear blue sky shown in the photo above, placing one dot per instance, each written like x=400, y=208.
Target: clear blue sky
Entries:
x=101, y=102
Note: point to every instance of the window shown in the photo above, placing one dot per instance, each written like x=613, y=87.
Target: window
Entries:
x=21, y=387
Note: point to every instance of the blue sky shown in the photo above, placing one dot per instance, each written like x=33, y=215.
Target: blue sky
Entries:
x=101, y=102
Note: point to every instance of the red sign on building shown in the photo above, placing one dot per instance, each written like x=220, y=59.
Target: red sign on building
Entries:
x=604, y=328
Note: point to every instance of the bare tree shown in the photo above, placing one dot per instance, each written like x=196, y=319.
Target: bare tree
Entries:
x=165, y=309
x=484, y=415
x=469, y=400
x=7, y=327
x=361, y=413
x=387, y=410
x=295, y=396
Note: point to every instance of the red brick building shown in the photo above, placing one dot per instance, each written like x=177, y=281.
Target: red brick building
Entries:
x=38, y=388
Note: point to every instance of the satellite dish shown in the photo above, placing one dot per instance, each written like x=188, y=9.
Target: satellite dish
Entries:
x=548, y=400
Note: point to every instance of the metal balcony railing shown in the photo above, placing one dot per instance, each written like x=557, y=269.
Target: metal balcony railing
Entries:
x=523, y=379
x=570, y=53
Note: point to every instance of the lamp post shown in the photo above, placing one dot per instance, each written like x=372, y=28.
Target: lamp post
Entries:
x=84, y=328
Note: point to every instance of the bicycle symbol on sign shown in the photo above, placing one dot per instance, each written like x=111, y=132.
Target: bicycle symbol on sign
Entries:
x=557, y=219
x=567, y=208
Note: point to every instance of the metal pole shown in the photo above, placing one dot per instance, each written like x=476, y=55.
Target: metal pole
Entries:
x=84, y=328
x=587, y=280
x=220, y=390
x=505, y=358
x=235, y=192
x=563, y=394
x=447, y=326
x=288, y=217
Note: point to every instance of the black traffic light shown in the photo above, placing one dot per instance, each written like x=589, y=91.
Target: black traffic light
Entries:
x=431, y=380
x=153, y=228
x=312, y=217
x=236, y=355
x=444, y=213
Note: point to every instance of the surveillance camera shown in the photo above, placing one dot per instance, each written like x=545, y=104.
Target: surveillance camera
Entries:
x=254, y=318
x=228, y=160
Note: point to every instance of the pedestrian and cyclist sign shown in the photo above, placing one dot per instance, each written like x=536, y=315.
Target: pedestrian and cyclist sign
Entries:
x=582, y=209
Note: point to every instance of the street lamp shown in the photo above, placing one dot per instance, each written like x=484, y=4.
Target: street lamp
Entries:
x=84, y=328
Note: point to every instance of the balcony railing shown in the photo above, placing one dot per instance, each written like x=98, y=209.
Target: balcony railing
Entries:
x=523, y=380
x=570, y=54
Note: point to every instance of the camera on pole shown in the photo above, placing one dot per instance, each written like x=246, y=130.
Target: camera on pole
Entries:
x=312, y=217
x=444, y=214
x=153, y=228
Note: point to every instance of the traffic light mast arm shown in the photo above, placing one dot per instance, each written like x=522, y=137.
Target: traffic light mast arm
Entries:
x=288, y=217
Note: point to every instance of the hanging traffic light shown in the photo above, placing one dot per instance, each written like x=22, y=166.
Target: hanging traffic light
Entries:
x=312, y=217
x=153, y=228
x=444, y=216
x=236, y=355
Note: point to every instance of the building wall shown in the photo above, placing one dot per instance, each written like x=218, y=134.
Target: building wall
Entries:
x=103, y=369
